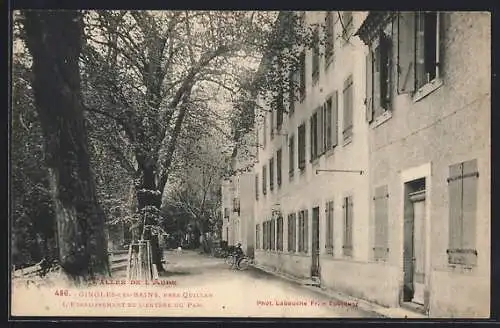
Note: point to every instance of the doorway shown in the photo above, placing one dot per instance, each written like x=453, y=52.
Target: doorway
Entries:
x=315, y=269
x=414, y=252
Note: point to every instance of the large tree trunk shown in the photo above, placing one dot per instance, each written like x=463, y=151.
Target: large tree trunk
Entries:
x=54, y=40
x=148, y=195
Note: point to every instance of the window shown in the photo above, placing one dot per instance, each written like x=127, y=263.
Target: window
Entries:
x=331, y=121
x=316, y=131
x=303, y=231
x=273, y=234
x=330, y=37
x=302, y=80
x=462, y=193
x=315, y=56
x=257, y=236
x=347, y=26
x=226, y=213
x=280, y=110
x=427, y=48
x=256, y=187
x=302, y=146
x=378, y=73
x=236, y=205
x=278, y=167
x=380, y=249
x=292, y=82
x=264, y=180
x=264, y=235
x=291, y=155
x=264, y=139
x=348, y=216
x=314, y=135
x=271, y=174
x=418, y=51
x=279, y=237
x=292, y=232
x=329, y=227
x=348, y=108
x=271, y=117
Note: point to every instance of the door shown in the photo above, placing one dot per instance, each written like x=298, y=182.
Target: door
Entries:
x=315, y=243
x=418, y=200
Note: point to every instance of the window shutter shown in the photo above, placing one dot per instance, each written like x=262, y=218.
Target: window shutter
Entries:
x=335, y=121
x=306, y=231
x=455, y=206
x=328, y=123
x=406, y=52
x=350, y=216
x=369, y=86
x=470, y=179
x=345, y=101
x=381, y=223
x=319, y=129
x=311, y=137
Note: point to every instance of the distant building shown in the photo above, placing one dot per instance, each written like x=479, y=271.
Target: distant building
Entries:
x=238, y=196
x=388, y=159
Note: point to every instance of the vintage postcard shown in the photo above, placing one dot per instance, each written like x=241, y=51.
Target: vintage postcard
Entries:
x=312, y=164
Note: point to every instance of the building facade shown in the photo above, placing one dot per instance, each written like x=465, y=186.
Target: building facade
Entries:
x=238, y=197
x=387, y=152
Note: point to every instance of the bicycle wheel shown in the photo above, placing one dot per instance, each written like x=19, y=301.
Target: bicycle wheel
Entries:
x=229, y=260
x=243, y=263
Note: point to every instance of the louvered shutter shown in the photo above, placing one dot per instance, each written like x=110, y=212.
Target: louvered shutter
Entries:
x=470, y=179
x=455, y=207
x=406, y=52
x=306, y=231
x=319, y=130
x=335, y=120
x=381, y=223
x=369, y=86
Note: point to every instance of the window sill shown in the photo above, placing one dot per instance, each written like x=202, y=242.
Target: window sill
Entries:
x=427, y=89
x=315, y=161
x=328, y=61
x=347, y=140
x=381, y=119
x=330, y=151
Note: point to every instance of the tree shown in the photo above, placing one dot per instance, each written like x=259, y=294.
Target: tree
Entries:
x=195, y=187
x=54, y=41
x=33, y=225
x=147, y=71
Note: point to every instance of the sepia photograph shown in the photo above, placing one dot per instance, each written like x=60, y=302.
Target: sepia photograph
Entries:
x=250, y=164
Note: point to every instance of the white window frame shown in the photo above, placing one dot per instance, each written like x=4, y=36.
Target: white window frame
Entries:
x=437, y=82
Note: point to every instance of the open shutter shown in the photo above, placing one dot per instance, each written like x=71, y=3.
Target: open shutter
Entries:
x=344, y=216
x=384, y=221
x=455, y=207
x=350, y=216
x=311, y=137
x=319, y=127
x=381, y=218
x=306, y=231
x=327, y=223
x=406, y=52
x=335, y=120
x=470, y=179
x=369, y=86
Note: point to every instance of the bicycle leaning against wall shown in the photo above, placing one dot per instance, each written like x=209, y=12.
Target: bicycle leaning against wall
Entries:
x=237, y=258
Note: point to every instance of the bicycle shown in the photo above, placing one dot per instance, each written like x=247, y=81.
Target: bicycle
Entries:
x=241, y=263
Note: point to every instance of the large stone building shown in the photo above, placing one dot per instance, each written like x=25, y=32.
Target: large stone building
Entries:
x=388, y=158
